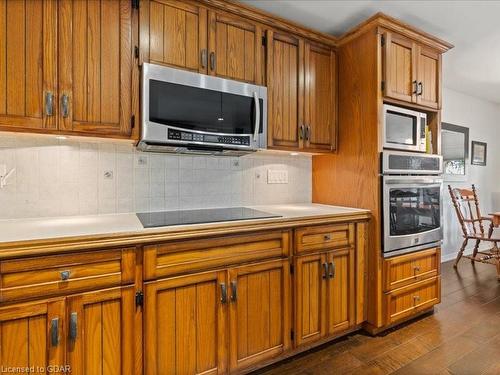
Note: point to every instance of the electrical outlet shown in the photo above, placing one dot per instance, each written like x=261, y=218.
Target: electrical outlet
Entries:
x=275, y=176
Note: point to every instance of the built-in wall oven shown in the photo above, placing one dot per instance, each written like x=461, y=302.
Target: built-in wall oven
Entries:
x=412, y=207
x=404, y=129
x=195, y=113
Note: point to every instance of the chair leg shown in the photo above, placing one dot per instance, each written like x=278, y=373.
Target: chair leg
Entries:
x=476, y=248
x=461, y=251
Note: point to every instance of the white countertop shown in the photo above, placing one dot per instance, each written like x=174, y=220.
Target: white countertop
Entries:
x=74, y=226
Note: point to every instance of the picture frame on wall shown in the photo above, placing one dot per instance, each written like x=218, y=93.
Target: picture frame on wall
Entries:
x=478, y=154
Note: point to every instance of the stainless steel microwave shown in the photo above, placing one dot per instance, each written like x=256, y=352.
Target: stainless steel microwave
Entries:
x=189, y=112
x=404, y=129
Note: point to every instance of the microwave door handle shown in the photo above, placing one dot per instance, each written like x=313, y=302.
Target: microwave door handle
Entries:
x=257, y=117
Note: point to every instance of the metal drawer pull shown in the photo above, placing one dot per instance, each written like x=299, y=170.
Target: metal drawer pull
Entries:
x=332, y=270
x=416, y=298
x=65, y=105
x=416, y=268
x=234, y=291
x=223, y=293
x=325, y=270
x=327, y=237
x=54, y=332
x=49, y=104
x=65, y=275
x=73, y=326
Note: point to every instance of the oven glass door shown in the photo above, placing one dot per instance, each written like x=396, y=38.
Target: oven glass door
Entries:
x=401, y=129
x=201, y=109
x=412, y=212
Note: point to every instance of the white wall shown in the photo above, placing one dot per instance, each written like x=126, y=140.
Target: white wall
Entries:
x=66, y=177
x=483, y=120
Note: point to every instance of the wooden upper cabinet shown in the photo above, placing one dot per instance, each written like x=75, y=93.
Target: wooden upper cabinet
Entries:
x=234, y=48
x=320, y=103
x=28, y=63
x=285, y=90
x=310, y=289
x=177, y=34
x=412, y=72
x=429, y=78
x=32, y=334
x=341, y=293
x=185, y=324
x=259, y=313
x=95, y=66
x=400, y=67
x=101, y=332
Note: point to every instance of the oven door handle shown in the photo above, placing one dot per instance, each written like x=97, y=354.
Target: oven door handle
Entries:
x=421, y=181
x=257, y=117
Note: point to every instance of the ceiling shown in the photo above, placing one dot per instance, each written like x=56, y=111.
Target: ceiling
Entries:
x=472, y=67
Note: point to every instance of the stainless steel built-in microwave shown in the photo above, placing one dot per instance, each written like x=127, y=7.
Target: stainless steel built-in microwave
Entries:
x=194, y=113
x=404, y=129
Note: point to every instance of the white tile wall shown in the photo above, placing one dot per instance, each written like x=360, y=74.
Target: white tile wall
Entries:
x=74, y=177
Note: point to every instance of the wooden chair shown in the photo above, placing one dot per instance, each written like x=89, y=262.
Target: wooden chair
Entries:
x=473, y=228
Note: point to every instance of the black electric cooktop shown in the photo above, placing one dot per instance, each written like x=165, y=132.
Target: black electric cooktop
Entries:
x=210, y=215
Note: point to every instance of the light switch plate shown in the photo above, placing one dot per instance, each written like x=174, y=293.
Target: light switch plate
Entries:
x=277, y=176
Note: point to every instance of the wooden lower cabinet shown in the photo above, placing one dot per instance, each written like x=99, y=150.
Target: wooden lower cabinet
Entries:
x=324, y=294
x=31, y=335
x=185, y=324
x=259, y=312
x=101, y=332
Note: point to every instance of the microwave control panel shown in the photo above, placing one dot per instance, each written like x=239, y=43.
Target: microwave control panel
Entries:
x=178, y=135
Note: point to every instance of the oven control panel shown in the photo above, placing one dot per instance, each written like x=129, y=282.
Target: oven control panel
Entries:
x=186, y=136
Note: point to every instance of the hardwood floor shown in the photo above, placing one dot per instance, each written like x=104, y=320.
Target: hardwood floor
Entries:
x=461, y=337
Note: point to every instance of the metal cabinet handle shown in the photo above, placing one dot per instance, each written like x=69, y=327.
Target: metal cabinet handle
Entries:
x=301, y=132
x=332, y=270
x=234, y=291
x=223, y=293
x=416, y=298
x=65, y=275
x=308, y=132
x=420, y=90
x=49, y=104
x=65, y=105
x=325, y=270
x=73, y=325
x=415, y=87
x=204, y=58
x=416, y=268
x=54, y=332
x=327, y=237
x=212, y=61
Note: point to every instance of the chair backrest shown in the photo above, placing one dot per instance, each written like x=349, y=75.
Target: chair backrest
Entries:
x=467, y=207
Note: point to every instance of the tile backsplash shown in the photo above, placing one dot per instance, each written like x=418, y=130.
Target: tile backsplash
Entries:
x=56, y=177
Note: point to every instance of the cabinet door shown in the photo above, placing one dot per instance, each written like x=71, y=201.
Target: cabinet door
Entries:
x=310, y=288
x=320, y=98
x=101, y=333
x=185, y=325
x=259, y=312
x=341, y=296
x=285, y=90
x=95, y=66
x=429, y=80
x=31, y=334
x=177, y=34
x=400, y=67
x=234, y=46
x=28, y=64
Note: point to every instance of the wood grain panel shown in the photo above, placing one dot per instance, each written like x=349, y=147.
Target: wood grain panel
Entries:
x=320, y=99
x=285, y=82
x=103, y=333
x=429, y=74
x=185, y=325
x=260, y=282
x=95, y=64
x=341, y=293
x=27, y=63
x=310, y=294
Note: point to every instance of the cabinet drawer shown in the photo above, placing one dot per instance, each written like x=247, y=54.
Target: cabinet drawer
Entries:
x=323, y=237
x=64, y=274
x=410, y=268
x=188, y=256
x=412, y=299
